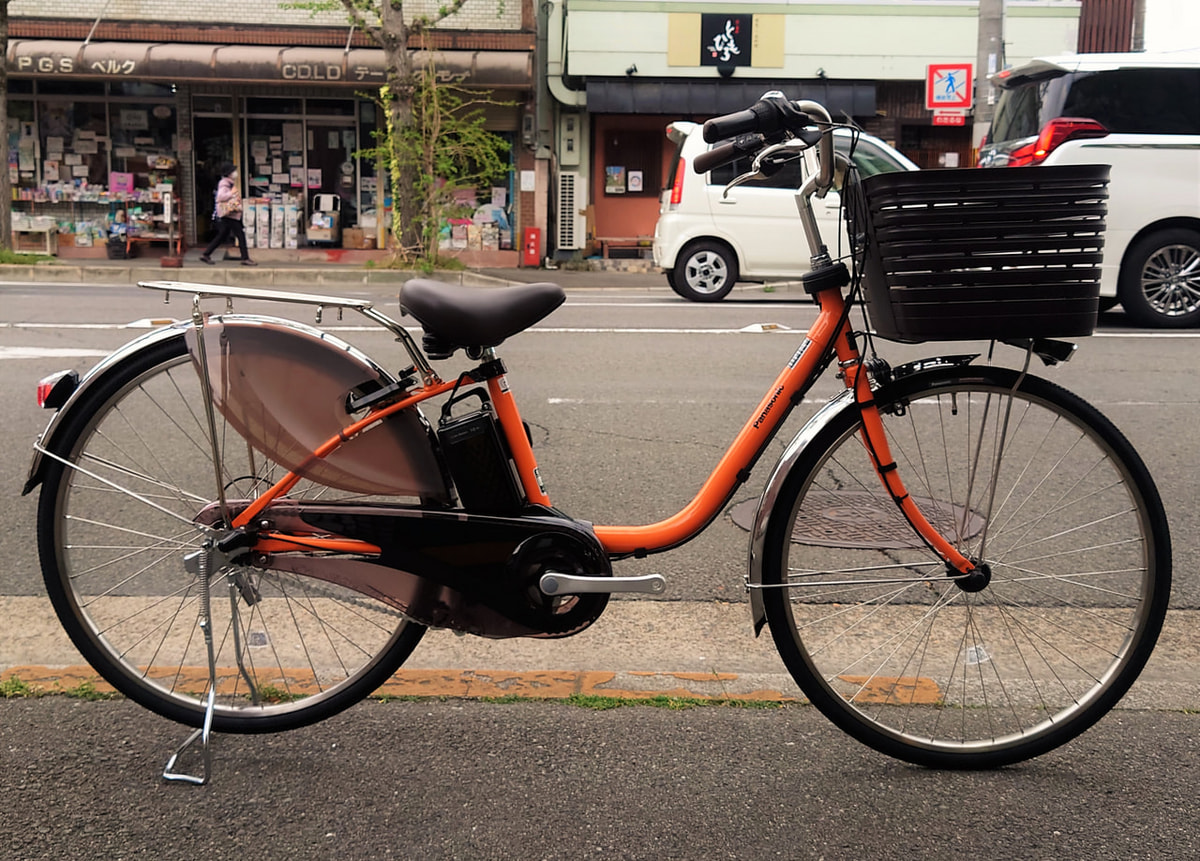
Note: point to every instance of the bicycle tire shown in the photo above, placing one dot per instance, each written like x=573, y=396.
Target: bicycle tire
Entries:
x=1014, y=662
x=114, y=570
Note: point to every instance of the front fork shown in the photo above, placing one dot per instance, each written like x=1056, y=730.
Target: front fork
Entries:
x=854, y=374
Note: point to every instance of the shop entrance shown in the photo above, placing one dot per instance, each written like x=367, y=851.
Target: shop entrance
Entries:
x=331, y=149
x=213, y=148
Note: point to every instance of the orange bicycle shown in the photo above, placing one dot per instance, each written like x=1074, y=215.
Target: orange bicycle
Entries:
x=961, y=564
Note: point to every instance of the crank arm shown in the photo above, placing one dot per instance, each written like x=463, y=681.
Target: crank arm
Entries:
x=574, y=584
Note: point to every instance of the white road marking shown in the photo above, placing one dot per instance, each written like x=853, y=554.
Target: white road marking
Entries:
x=48, y=353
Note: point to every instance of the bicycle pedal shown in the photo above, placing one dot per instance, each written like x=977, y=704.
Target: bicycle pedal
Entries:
x=552, y=583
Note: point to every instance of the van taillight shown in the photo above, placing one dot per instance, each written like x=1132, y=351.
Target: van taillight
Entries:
x=677, y=186
x=1054, y=133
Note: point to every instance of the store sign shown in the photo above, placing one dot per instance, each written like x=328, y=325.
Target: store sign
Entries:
x=726, y=40
x=949, y=118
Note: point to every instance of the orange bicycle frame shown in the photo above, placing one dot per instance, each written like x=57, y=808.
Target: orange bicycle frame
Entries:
x=830, y=328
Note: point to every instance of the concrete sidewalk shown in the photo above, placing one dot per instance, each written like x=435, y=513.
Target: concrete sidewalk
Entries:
x=637, y=649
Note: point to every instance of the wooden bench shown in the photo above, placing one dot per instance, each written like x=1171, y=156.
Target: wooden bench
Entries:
x=609, y=242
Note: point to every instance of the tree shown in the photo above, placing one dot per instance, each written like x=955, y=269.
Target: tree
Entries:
x=448, y=150
x=384, y=22
x=5, y=178
x=413, y=157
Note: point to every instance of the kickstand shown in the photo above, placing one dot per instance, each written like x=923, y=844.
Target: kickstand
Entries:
x=200, y=561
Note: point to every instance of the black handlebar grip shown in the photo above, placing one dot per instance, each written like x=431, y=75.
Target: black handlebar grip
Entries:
x=715, y=157
x=741, y=122
x=727, y=152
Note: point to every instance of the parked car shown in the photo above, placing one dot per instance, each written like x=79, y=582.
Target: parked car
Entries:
x=706, y=242
x=1139, y=113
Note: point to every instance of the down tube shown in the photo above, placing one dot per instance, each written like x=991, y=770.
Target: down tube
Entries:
x=734, y=466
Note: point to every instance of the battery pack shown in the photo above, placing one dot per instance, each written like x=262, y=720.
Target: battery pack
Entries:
x=479, y=464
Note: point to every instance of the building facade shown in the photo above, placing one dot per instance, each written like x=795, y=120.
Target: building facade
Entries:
x=108, y=114
x=620, y=70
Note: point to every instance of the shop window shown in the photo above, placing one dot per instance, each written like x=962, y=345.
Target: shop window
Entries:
x=205, y=104
x=632, y=161
x=22, y=140
x=141, y=89
x=331, y=107
x=70, y=88
x=275, y=165
x=274, y=106
x=74, y=142
x=20, y=86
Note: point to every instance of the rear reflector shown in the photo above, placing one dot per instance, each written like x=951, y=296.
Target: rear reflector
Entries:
x=53, y=391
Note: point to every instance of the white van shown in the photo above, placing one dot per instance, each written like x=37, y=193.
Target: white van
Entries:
x=1139, y=113
x=706, y=242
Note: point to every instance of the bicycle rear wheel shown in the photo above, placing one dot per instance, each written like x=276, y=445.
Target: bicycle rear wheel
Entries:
x=1072, y=547
x=289, y=650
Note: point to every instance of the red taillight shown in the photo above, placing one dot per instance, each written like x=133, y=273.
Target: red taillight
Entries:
x=677, y=186
x=1053, y=134
x=53, y=391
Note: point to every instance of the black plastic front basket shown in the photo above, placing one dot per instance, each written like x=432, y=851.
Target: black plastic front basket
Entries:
x=984, y=253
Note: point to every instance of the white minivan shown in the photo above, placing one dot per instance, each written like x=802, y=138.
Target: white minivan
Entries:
x=1139, y=113
x=706, y=241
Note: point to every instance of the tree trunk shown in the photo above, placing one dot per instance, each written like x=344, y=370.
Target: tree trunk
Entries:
x=398, y=65
x=5, y=178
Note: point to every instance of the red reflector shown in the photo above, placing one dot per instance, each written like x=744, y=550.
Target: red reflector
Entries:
x=677, y=186
x=53, y=391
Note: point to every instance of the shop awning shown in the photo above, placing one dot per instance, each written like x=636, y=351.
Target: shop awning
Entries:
x=720, y=96
x=189, y=62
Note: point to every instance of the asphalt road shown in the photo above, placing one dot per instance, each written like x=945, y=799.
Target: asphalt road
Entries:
x=632, y=397
x=469, y=780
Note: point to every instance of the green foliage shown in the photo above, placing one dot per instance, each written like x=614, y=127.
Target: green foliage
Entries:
x=15, y=258
x=12, y=687
x=444, y=149
x=87, y=691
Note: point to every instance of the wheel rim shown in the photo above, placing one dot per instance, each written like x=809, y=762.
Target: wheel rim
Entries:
x=121, y=567
x=1009, y=661
x=1171, y=281
x=706, y=272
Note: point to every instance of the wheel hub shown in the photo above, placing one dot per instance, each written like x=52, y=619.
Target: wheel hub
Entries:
x=976, y=580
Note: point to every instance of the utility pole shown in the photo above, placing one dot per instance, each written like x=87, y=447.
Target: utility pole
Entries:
x=989, y=59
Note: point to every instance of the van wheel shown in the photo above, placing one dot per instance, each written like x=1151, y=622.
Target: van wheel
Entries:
x=707, y=272
x=1160, y=279
x=670, y=273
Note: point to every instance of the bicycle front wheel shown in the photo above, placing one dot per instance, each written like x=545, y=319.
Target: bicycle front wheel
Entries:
x=1074, y=567
x=114, y=525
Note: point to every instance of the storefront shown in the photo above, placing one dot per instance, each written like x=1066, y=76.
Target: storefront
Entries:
x=128, y=139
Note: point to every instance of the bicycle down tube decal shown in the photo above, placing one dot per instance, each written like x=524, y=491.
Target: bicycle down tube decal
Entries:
x=795, y=360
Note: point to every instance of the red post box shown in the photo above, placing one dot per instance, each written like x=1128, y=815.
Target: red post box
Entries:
x=531, y=247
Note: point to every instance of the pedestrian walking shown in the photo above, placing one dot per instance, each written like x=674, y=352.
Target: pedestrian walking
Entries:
x=227, y=215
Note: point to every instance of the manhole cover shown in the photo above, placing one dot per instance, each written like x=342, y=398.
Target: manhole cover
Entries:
x=857, y=519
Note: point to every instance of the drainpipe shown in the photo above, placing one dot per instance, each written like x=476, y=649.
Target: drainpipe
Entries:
x=556, y=60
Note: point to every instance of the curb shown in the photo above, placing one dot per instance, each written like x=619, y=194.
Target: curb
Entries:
x=491, y=684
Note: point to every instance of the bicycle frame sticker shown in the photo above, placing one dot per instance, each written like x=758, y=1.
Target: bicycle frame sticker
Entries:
x=799, y=354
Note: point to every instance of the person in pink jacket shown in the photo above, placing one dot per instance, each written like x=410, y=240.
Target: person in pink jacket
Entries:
x=227, y=216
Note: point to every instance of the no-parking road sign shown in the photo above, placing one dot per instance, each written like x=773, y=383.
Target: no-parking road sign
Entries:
x=948, y=85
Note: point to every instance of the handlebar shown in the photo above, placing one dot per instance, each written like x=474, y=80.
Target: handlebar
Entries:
x=770, y=120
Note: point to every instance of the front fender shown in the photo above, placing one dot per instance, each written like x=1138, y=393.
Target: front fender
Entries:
x=119, y=356
x=770, y=495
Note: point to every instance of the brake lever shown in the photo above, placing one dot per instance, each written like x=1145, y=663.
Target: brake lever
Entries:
x=763, y=167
